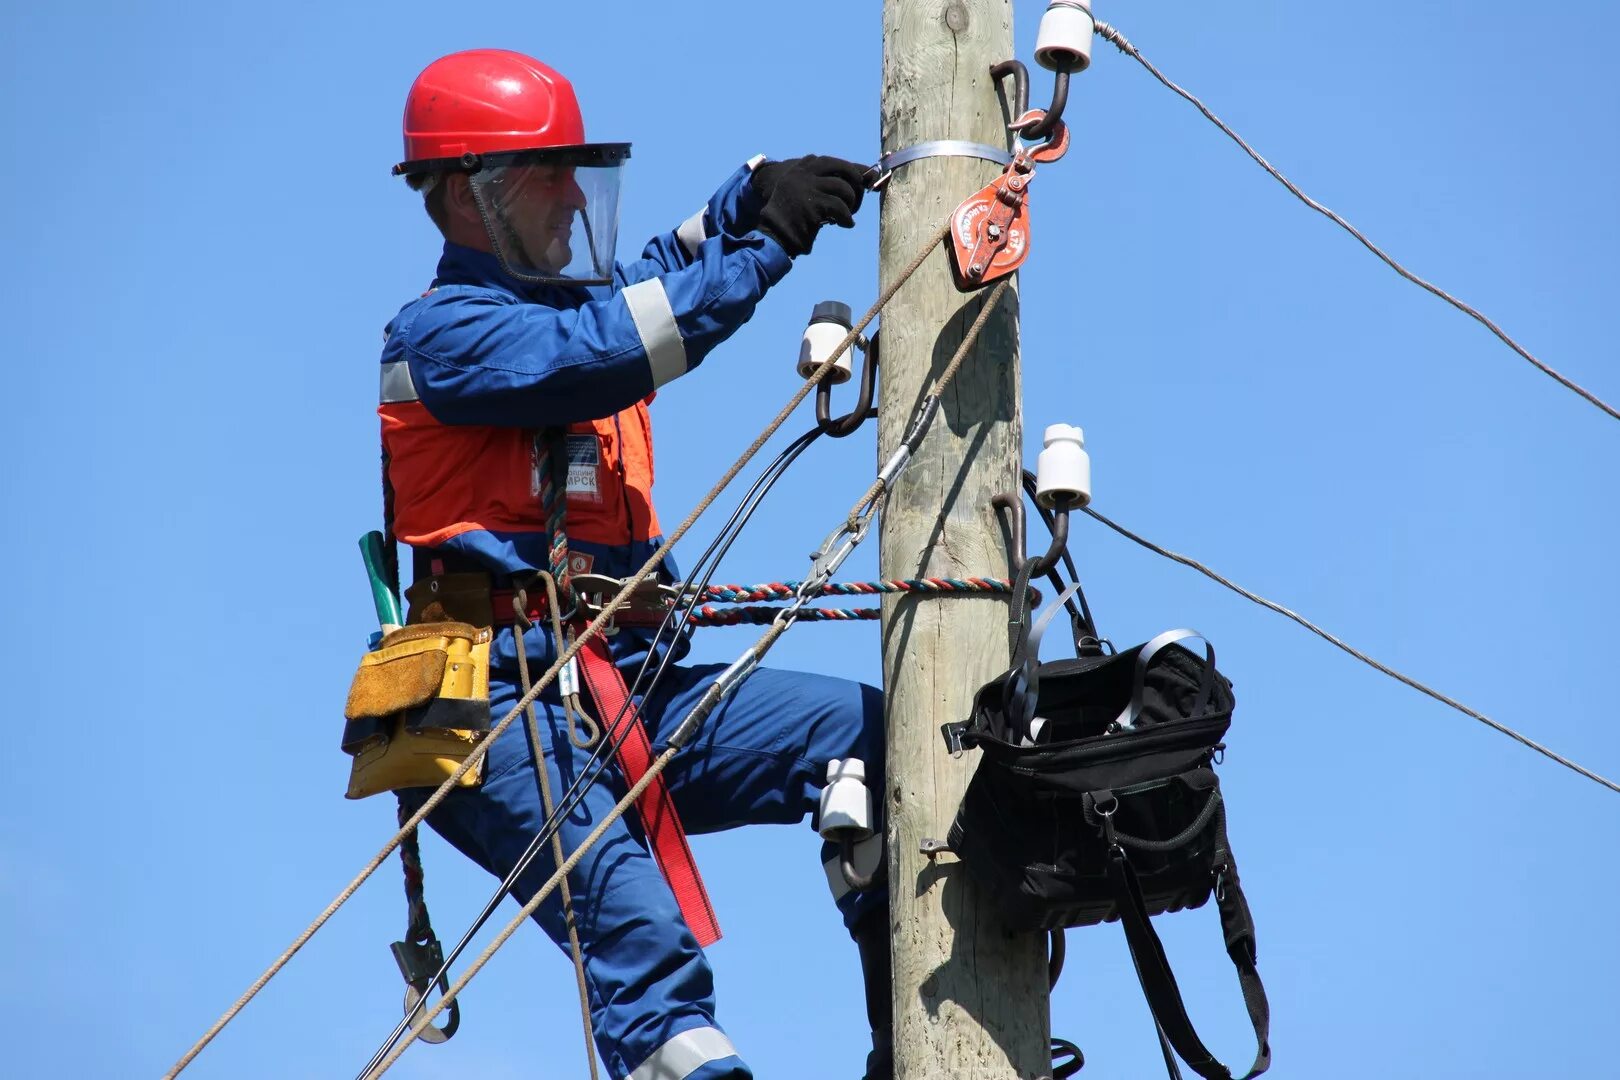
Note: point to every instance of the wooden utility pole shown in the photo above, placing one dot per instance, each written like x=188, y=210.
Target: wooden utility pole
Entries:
x=970, y=1000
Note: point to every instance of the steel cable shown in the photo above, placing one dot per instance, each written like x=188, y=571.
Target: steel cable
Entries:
x=1357, y=653
x=1109, y=34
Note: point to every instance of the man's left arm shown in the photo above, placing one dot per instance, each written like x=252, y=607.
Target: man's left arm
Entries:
x=731, y=211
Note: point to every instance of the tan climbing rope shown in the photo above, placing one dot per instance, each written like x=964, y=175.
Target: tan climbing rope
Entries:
x=520, y=604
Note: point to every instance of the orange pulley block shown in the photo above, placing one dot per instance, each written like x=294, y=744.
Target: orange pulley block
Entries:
x=990, y=229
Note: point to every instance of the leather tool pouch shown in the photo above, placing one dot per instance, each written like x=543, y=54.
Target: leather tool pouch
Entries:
x=417, y=707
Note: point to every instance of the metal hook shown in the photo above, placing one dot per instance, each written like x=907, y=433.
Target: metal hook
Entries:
x=852, y=877
x=838, y=427
x=1020, y=76
x=1012, y=503
x=1046, y=125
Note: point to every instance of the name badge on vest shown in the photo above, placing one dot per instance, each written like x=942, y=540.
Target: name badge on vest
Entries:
x=584, y=459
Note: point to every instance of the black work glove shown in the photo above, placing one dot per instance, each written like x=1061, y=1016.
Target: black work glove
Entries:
x=800, y=195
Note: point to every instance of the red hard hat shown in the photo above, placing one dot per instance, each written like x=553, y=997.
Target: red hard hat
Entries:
x=488, y=100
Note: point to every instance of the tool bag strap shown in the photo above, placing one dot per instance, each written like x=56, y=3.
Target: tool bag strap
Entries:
x=1153, y=966
x=1206, y=687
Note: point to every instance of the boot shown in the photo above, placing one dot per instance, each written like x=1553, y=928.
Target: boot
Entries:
x=872, y=939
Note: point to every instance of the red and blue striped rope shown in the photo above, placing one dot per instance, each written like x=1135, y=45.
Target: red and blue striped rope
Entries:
x=773, y=591
x=787, y=590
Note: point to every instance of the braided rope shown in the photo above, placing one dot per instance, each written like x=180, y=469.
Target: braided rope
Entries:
x=787, y=590
x=551, y=469
x=759, y=616
x=771, y=591
x=419, y=927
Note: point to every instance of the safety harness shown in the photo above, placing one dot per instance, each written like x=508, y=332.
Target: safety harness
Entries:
x=456, y=588
x=659, y=818
x=1097, y=800
x=453, y=612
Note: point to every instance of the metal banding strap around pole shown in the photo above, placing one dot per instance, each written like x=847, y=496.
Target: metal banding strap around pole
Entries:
x=889, y=162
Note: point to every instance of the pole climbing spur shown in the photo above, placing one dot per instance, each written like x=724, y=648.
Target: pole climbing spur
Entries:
x=990, y=229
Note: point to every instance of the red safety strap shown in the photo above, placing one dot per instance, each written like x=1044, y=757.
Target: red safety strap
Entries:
x=656, y=806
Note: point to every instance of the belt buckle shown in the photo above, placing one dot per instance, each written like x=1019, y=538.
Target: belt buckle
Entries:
x=593, y=591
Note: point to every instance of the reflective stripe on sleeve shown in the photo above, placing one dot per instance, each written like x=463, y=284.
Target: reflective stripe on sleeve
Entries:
x=685, y=1054
x=655, y=322
x=692, y=233
x=396, y=383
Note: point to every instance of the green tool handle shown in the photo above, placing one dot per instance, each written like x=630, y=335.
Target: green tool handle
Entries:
x=382, y=595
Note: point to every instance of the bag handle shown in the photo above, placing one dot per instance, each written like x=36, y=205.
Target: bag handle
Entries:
x=1126, y=720
x=1153, y=966
x=1032, y=661
x=1023, y=679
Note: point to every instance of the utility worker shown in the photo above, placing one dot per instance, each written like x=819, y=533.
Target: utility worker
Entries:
x=532, y=340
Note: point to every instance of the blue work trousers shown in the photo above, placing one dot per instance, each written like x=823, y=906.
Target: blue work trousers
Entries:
x=761, y=757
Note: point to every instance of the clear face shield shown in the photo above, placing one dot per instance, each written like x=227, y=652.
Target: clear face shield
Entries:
x=552, y=215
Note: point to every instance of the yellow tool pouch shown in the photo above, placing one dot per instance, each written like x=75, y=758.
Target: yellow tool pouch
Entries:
x=417, y=707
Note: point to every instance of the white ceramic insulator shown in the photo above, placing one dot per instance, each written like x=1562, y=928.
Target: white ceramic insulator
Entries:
x=846, y=805
x=1064, y=41
x=820, y=339
x=1063, y=472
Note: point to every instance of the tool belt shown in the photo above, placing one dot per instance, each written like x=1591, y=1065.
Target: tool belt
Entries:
x=1097, y=800
x=417, y=706
x=449, y=588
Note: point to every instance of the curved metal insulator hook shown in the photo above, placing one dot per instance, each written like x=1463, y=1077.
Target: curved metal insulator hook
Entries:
x=840, y=426
x=1012, y=504
x=1019, y=104
x=1044, y=127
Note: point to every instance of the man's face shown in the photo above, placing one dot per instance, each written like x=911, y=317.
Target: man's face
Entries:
x=540, y=204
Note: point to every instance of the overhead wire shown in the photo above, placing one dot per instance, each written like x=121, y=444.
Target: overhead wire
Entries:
x=868, y=505
x=1110, y=34
x=1340, y=643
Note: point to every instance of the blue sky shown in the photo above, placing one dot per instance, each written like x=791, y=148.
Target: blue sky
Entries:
x=205, y=244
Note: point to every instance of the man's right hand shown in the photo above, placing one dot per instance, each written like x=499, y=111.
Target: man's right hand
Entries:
x=801, y=195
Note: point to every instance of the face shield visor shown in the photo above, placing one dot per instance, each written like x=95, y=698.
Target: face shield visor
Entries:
x=551, y=215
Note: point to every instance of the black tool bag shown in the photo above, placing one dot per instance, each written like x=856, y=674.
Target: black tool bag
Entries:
x=1097, y=800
